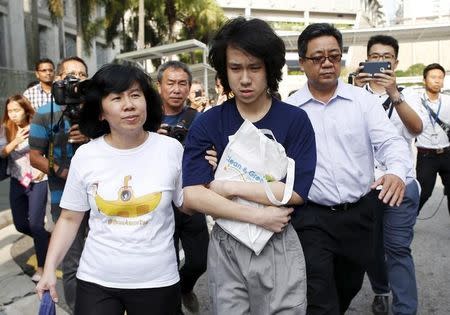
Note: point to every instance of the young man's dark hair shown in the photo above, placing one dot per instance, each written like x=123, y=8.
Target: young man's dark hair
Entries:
x=101, y=85
x=432, y=67
x=316, y=30
x=254, y=37
x=60, y=66
x=383, y=40
x=41, y=61
x=176, y=65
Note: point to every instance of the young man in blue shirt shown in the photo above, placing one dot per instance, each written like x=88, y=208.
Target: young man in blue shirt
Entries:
x=248, y=57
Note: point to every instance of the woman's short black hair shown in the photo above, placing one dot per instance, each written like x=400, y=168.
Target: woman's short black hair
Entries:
x=115, y=78
x=254, y=37
x=317, y=30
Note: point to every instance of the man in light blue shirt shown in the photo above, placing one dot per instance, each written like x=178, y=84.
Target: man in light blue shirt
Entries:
x=336, y=225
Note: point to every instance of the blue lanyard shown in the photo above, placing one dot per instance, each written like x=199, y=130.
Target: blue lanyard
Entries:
x=433, y=119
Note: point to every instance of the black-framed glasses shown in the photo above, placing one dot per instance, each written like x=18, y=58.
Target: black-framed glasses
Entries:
x=79, y=75
x=46, y=70
x=376, y=56
x=334, y=58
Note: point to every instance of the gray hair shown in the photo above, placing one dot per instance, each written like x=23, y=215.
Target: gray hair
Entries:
x=176, y=65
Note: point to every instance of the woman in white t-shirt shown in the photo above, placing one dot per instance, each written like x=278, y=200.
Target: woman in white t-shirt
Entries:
x=128, y=177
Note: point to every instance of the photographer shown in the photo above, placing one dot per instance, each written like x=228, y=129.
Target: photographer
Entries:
x=174, y=83
x=53, y=139
x=197, y=98
x=393, y=266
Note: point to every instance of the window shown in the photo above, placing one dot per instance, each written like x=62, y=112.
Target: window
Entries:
x=71, y=45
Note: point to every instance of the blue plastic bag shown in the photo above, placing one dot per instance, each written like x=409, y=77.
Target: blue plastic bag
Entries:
x=47, y=306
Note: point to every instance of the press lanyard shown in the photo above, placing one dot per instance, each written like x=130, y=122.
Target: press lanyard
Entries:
x=433, y=119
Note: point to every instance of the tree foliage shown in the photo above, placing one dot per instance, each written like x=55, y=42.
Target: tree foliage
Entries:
x=413, y=70
x=166, y=21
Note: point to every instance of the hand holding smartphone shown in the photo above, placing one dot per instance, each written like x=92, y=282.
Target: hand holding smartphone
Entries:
x=373, y=67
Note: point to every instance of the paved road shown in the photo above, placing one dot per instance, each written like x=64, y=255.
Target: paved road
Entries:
x=4, y=194
x=431, y=250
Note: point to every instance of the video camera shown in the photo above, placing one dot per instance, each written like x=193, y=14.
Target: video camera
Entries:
x=179, y=131
x=70, y=92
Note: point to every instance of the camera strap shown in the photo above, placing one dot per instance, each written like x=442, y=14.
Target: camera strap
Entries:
x=443, y=125
x=387, y=104
x=188, y=117
x=51, y=157
x=51, y=146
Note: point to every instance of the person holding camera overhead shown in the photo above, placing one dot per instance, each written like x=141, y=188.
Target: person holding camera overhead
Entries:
x=197, y=98
x=393, y=266
x=174, y=83
x=54, y=136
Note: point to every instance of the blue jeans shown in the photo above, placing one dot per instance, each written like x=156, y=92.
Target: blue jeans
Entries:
x=398, y=232
x=28, y=212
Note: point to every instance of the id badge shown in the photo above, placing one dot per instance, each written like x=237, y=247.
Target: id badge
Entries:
x=434, y=139
x=26, y=180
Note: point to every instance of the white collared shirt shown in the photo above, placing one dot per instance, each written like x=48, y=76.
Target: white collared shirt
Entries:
x=346, y=130
x=433, y=137
x=409, y=95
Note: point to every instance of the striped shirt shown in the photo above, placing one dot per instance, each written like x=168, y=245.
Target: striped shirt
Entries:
x=39, y=139
x=37, y=96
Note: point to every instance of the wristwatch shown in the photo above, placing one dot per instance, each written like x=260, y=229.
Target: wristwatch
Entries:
x=399, y=100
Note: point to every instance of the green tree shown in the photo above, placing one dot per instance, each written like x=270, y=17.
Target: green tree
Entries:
x=88, y=27
x=413, y=70
x=200, y=19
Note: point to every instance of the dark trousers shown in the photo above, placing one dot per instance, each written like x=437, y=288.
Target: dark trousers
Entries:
x=428, y=166
x=28, y=212
x=397, y=231
x=377, y=271
x=338, y=246
x=194, y=236
x=94, y=299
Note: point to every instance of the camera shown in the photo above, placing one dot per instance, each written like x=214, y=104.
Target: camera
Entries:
x=179, y=131
x=70, y=92
x=198, y=93
x=375, y=66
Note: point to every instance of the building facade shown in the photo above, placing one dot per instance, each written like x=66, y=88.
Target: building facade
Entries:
x=27, y=34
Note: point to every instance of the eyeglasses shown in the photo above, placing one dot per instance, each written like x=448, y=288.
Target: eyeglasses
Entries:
x=80, y=75
x=46, y=70
x=376, y=56
x=335, y=58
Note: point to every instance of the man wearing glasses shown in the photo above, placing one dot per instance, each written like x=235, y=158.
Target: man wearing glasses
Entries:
x=41, y=93
x=393, y=266
x=336, y=225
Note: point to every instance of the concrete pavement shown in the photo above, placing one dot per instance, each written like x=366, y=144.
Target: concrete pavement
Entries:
x=431, y=251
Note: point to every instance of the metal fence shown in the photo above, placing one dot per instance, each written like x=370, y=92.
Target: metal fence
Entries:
x=13, y=82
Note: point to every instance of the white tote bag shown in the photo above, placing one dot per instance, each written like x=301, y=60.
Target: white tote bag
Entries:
x=251, y=156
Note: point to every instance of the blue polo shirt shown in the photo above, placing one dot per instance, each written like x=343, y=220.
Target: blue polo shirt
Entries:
x=290, y=126
x=39, y=139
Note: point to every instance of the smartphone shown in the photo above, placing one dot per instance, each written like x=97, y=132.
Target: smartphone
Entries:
x=375, y=66
x=198, y=93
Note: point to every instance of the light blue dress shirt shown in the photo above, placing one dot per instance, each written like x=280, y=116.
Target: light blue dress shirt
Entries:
x=346, y=128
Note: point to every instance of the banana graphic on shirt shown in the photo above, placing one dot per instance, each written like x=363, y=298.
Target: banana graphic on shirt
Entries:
x=127, y=205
